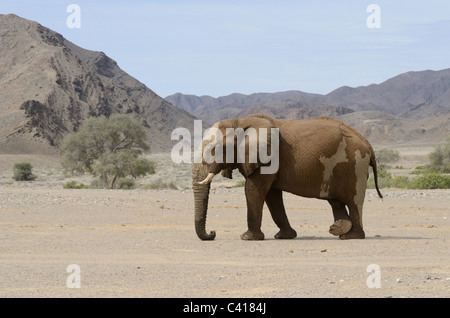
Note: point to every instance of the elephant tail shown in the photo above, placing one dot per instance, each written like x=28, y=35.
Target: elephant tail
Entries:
x=373, y=163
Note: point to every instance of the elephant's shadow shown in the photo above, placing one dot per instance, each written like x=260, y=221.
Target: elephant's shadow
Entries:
x=374, y=237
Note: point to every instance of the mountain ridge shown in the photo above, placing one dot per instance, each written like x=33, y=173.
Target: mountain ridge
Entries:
x=396, y=95
x=404, y=100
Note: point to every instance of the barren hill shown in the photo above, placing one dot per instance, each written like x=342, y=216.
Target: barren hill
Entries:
x=212, y=109
x=48, y=86
x=398, y=95
x=410, y=95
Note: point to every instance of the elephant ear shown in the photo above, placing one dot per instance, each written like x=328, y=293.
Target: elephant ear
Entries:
x=252, y=130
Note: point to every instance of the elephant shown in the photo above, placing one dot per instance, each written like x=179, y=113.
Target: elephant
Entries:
x=318, y=158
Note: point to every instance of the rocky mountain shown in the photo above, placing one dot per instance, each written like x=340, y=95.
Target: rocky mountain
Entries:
x=398, y=95
x=413, y=107
x=49, y=85
x=212, y=109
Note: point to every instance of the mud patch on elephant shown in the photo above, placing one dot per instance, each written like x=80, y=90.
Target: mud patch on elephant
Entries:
x=329, y=165
x=340, y=227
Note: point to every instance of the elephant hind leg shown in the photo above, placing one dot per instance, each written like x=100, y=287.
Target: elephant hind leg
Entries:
x=342, y=223
x=274, y=201
x=357, y=231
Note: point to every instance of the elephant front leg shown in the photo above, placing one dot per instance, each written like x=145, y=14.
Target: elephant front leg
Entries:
x=274, y=201
x=256, y=188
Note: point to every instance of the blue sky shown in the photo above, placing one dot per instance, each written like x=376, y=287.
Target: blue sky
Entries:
x=220, y=47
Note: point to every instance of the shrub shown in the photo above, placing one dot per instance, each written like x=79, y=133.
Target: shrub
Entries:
x=440, y=158
x=419, y=170
x=74, y=185
x=23, y=172
x=384, y=179
x=126, y=184
x=431, y=181
x=400, y=182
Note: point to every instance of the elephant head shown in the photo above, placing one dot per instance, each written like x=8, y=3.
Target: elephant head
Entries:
x=240, y=143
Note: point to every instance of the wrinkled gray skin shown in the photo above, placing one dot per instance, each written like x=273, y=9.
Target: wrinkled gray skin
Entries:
x=319, y=158
x=201, y=196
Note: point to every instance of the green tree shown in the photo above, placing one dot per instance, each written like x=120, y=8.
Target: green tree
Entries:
x=440, y=158
x=109, y=148
x=385, y=156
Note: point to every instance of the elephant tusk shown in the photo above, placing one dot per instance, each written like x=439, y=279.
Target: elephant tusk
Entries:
x=207, y=180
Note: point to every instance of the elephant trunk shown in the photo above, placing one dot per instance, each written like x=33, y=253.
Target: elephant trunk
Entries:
x=201, y=196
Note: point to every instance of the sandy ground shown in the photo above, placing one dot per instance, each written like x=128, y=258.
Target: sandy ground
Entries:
x=142, y=243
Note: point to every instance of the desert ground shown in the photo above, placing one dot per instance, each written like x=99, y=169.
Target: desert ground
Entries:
x=142, y=243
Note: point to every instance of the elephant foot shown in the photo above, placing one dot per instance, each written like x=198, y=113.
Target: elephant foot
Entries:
x=340, y=227
x=353, y=234
x=252, y=236
x=286, y=234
